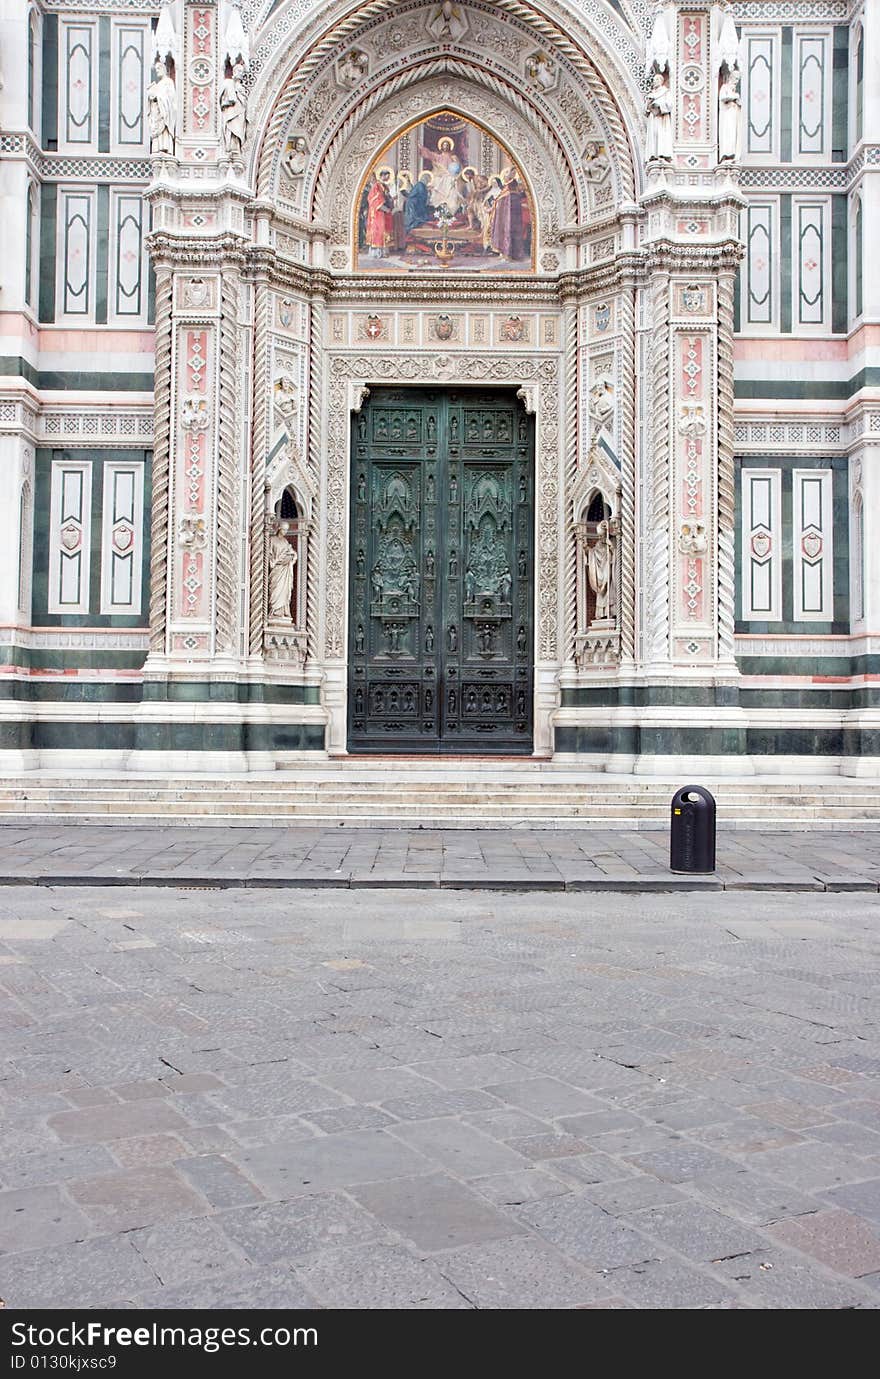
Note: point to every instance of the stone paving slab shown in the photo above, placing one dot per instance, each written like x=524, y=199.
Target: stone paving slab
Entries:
x=302, y=857
x=435, y=1099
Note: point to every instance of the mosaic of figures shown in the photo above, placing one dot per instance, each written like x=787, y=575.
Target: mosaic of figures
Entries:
x=444, y=194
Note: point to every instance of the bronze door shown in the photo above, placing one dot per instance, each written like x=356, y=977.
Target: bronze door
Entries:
x=441, y=583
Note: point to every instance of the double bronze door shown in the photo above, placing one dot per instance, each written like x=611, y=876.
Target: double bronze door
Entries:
x=441, y=583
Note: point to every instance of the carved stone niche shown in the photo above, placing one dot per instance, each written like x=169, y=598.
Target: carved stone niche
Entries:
x=289, y=502
x=595, y=509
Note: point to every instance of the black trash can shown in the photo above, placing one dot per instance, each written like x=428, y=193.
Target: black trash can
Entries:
x=692, y=831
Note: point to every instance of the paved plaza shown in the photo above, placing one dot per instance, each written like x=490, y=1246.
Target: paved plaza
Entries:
x=409, y=1099
x=525, y=859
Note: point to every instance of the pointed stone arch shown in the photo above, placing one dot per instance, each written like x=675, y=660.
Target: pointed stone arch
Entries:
x=297, y=76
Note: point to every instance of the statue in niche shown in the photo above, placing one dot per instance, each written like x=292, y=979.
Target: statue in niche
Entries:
x=659, y=112
x=521, y=641
x=729, y=118
x=429, y=640
x=233, y=111
x=453, y=638
x=361, y=564
x=281, y=559
x=429, y=565
x=296, y=157
x=359, y=640
x=162, y=111
x=521, y=565
x=600, y=566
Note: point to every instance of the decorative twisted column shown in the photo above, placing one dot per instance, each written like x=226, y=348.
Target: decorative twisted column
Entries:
x=315, y=430
x=259, y=451
x=227, y=560
x=726, y=530
x=161, y=460
x=657, y=519
x=570, y=433
x=627, y=586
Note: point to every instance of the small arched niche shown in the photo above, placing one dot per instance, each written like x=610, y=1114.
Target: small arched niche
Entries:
x=288, y=524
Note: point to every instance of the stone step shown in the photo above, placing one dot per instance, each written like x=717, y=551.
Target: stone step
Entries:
x=607, y=811
x=781, y=823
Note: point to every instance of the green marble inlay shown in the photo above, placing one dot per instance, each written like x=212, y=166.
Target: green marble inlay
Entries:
x=654, y=741
x=114, y=692
x=42, y=506
x=48, y=217
x=50, y=83
x=840, y=95
x=839, y=265
x=785, y=262
x=102, y=255
x=87, y=735
x=804, y=391
x=103, y=86
x=785, y=123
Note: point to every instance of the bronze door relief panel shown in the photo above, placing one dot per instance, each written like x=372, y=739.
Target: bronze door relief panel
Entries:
x=441, y=573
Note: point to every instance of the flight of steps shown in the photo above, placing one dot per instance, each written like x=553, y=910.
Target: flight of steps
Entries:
x=411, y=794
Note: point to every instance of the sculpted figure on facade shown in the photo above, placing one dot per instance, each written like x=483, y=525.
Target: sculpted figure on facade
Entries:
x=729, y=118
x=296, y=157
x=659, y=112
x=352, y=68
x=541, y=71
x=162, y=111
x=601, y=407
x=692, y=538
x=281, y=559
x=233, y=111
x=596, y=162
x=600, y=572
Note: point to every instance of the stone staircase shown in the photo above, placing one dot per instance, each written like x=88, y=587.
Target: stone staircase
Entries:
x=410, y=793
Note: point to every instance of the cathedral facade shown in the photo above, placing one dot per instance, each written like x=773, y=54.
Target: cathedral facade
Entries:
x=491, y=379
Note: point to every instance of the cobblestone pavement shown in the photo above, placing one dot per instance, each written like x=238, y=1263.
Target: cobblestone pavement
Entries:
x=552, y=859
x=263, y=1098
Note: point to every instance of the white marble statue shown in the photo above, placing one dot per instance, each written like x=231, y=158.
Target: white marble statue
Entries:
x=162, y=111
x=296, y=157
x=599, y=572
x=281, y=559
x=729, y=119
x=659, y=112
x=233, y=111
